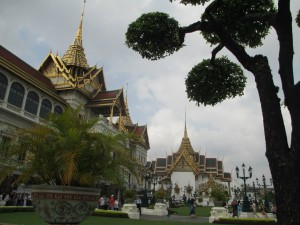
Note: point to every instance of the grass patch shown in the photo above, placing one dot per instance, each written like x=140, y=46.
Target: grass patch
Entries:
x=200, y=211
x=30, y=218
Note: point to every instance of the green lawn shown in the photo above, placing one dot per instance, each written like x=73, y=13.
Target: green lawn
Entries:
x=200, y=211
x=30, y=218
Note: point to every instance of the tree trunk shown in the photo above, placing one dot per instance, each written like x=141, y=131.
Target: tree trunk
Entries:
x=283, y=161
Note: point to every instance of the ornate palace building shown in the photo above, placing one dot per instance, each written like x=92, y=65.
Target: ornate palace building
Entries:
x=188, y=172
x=28, y=95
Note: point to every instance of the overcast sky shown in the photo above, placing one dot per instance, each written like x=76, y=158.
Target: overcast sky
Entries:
x=231, y=131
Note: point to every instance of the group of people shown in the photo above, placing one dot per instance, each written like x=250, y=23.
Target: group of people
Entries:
x=16, y=199
x=236, y=208
x=114, y=204
x=108, y=203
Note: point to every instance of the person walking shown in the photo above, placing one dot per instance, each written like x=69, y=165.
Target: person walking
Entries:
x=192, y=207
x=253, y=206
x=239, y=209
x=139, y=204
x=234, y=208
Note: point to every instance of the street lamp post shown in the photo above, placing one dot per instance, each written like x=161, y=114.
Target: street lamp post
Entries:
x=236, y=191
x=246, y=203
x=154, y=181
x=267, y=206
x=146, y=178
x=254, y=189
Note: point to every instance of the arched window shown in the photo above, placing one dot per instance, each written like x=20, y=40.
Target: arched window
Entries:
x=32, y=102
x=3, y=85
x=58, y=109
x=16, y=94
x=46, y=108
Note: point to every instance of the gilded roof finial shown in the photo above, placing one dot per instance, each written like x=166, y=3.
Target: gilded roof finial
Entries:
x=126, y=94
x=185, y=131
x=78, y=38
x=75, y=56
x=126, y=120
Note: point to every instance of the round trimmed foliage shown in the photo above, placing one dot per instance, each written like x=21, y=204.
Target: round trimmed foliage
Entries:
x=298, y=19
x=154, y=35
x=232, y=14
x=192, y=2
x=210, y=83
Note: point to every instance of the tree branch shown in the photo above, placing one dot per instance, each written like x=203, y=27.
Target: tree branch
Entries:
x=197, y=26
x=215, y=51
x=284, y=31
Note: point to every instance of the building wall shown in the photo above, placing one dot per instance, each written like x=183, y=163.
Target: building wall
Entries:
x=183, y=179
x=12, y=117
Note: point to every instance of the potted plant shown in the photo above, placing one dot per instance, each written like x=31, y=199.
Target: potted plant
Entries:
x=66, y=154
x=218, y=194
x=160, y=195
x=129, y=196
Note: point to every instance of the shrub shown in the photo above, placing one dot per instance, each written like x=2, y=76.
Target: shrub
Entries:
x=110, y=213
x=9, y=209
x=246, y=221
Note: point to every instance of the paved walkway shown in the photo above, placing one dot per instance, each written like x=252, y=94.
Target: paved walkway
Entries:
x=177, y=218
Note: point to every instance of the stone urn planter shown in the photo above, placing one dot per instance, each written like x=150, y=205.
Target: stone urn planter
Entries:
x=64, y=204
x=218, y=203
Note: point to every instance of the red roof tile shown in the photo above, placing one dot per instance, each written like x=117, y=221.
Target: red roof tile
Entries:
x=19, y=63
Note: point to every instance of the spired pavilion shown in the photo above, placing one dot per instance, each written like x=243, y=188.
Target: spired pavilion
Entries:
x=188, y=173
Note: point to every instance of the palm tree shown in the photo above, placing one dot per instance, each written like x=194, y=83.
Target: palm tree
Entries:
x=66, y=150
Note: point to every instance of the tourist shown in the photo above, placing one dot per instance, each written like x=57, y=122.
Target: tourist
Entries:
x=116, y=206
x=112, y=202
x=139, y=204
x=192, y=207
x=239, y=209
x=234, y=208
x=101, y=202
x=253, y=206
x=273, y=209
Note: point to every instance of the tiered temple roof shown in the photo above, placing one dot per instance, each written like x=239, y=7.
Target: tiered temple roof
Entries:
x=187, y=157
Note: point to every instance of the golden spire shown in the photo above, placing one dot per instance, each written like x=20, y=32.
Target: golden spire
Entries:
x=185, y=131
x=126, y=120
x=75, y=56
x=185, y=142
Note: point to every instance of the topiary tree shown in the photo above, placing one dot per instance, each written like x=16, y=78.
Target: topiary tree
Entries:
x=238, y=25
x=161, y=194
x=218, y=193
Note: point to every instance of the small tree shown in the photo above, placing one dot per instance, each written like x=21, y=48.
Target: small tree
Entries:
x=129, y=195
x=218, y=193
x=237, y=25
x=161, y=194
